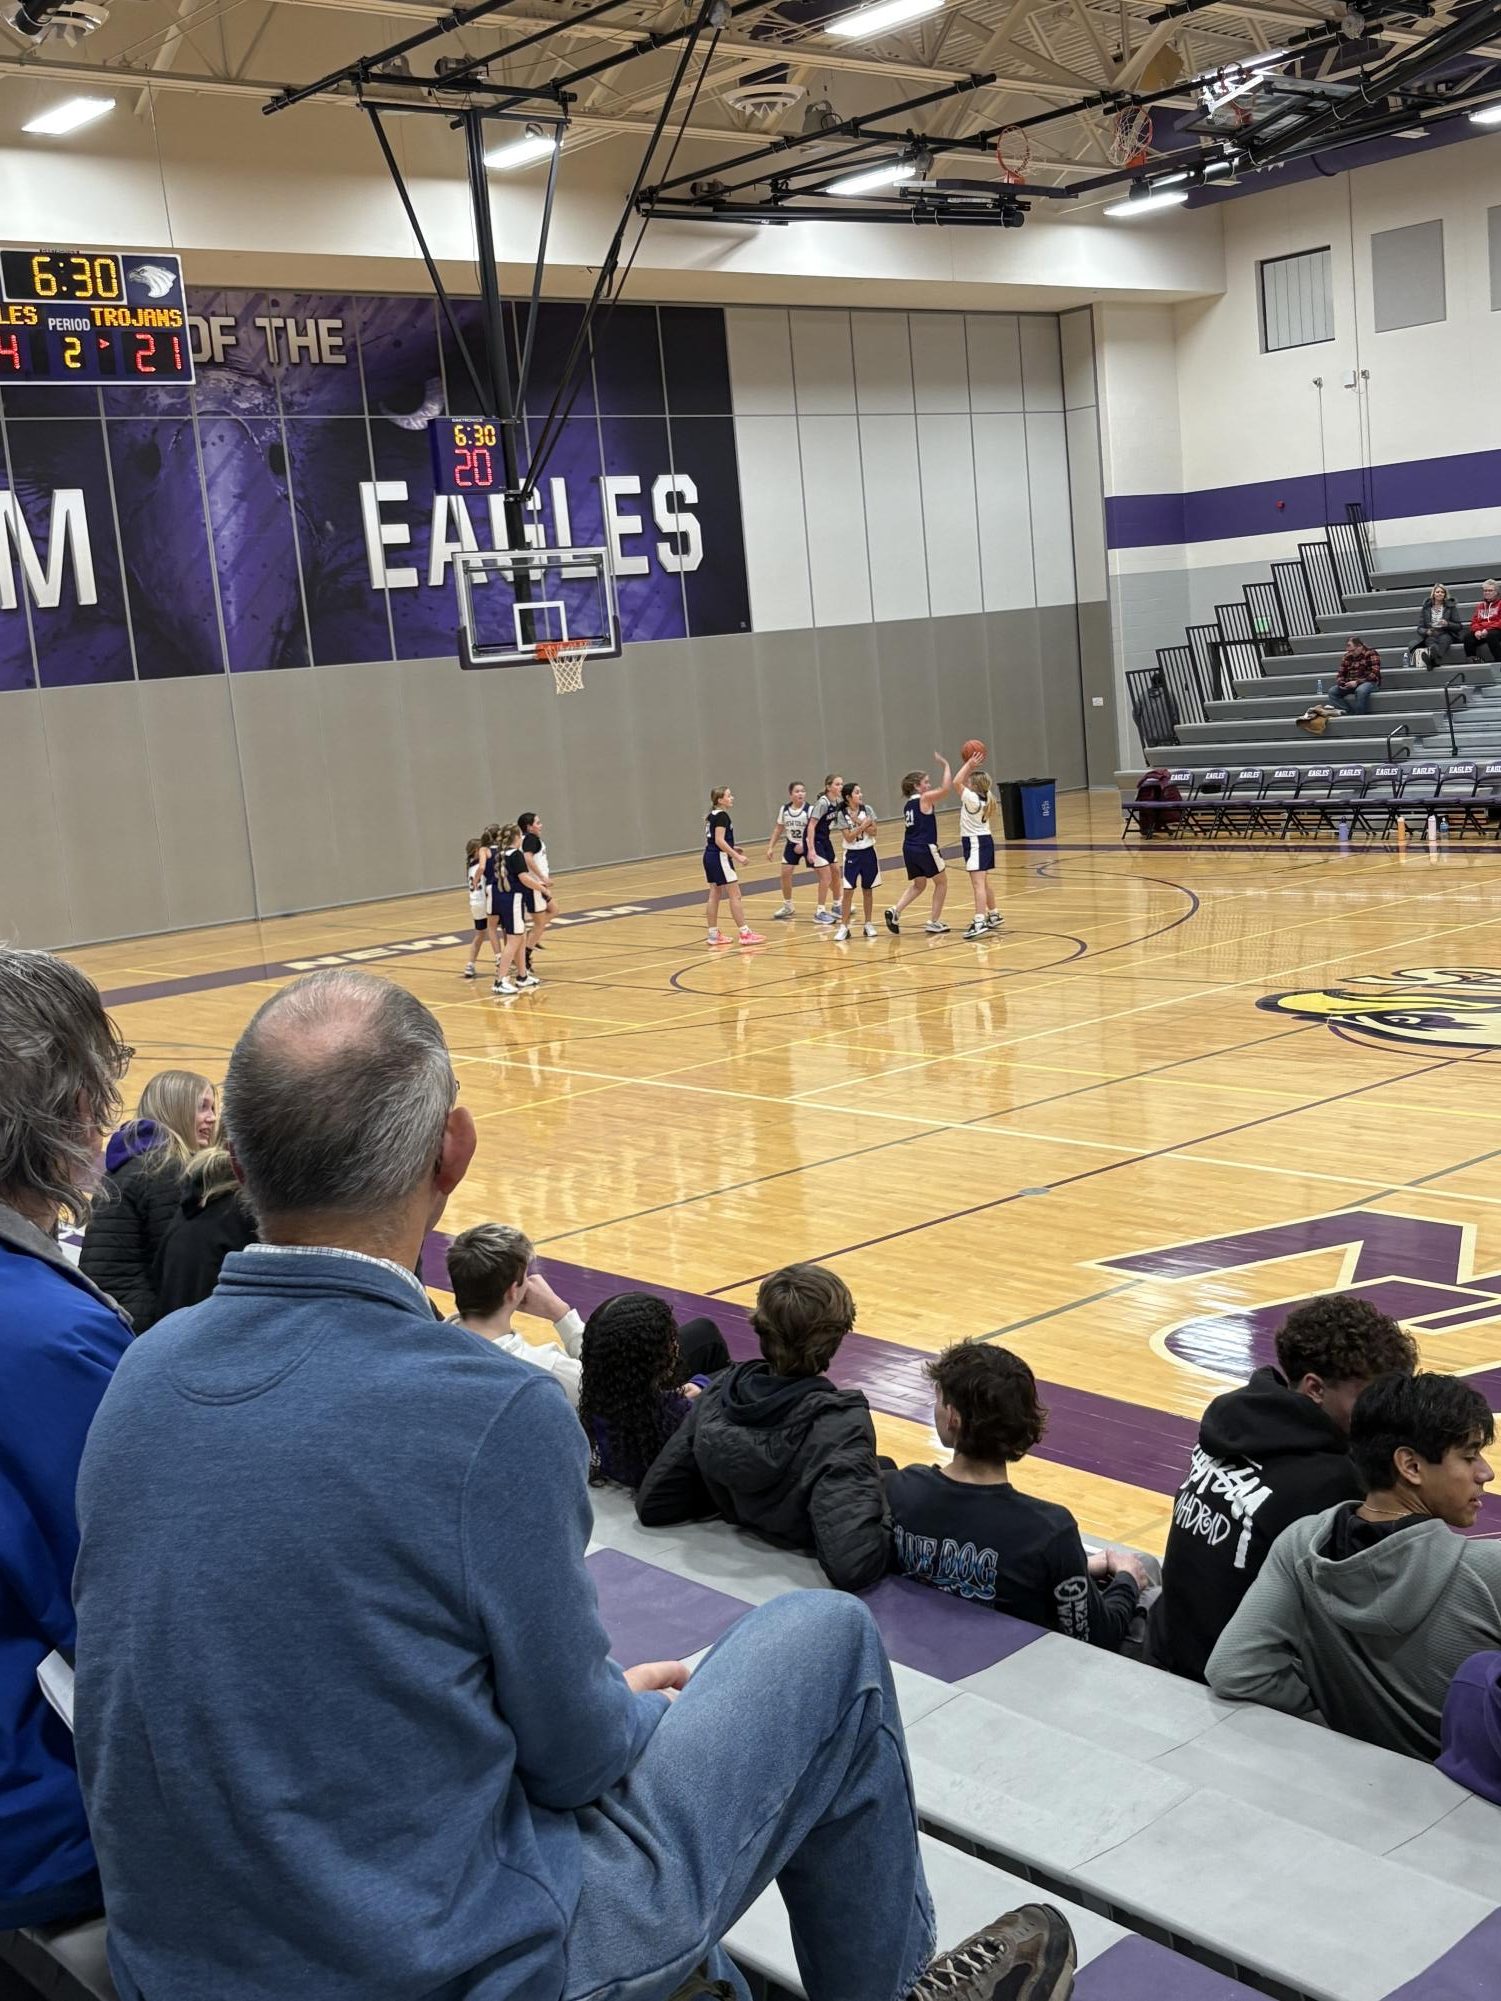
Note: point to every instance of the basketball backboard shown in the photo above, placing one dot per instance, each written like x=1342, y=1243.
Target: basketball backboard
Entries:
x=512, y=602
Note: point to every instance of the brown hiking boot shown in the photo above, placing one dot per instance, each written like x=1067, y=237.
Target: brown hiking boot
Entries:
x=1027, y=1955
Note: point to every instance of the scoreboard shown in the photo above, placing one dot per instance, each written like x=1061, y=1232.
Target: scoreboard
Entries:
x=466, y=455
x=91, y=316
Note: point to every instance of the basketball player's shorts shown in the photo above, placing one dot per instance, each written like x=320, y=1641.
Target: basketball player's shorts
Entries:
x=792, y=856
x=979, y=852
x=923, y=862
x=823, y=844
x=861, y=869
x=515, y=908
x=718, y=868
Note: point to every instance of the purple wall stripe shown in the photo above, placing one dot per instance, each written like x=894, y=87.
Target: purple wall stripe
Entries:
x=1310, y=500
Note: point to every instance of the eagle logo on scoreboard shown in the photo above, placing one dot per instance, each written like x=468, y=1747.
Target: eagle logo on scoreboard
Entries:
x=157, y=280
x=1451, y=1007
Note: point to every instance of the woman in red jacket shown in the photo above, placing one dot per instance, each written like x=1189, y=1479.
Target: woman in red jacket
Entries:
x=1483, y=639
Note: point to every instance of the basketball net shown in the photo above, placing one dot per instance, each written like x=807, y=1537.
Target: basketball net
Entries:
x=1013, y=155
x=566, y=658
x=1130, y=136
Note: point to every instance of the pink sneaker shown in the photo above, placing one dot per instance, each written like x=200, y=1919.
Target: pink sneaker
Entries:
x=749, y=937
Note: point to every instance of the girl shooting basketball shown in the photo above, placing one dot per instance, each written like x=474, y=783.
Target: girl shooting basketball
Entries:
x=857, y=823
x=791, y=830
x=921, y=854
x=720, y=857
x=976, y=811
x=819, y=843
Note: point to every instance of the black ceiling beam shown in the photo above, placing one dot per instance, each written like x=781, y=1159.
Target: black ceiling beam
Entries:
x=646, y=45
x=360, y=70
x=921, y=214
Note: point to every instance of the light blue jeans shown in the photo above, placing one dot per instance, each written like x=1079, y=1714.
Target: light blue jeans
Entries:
x=782, y=1761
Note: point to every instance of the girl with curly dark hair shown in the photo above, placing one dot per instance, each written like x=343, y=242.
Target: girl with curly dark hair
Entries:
x=630, y=1403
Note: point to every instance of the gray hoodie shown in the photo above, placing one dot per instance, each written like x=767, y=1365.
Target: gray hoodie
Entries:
x=1369, y=1642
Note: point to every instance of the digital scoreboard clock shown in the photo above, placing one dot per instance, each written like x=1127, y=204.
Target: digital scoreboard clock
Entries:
x=466, y=455
x=92, y=316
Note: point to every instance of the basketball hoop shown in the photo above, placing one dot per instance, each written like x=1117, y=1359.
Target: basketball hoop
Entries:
x=1013, y=155
x=1130, y=136
x=566, y=658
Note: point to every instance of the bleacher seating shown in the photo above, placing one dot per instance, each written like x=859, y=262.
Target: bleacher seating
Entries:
x=1226, y=695
x=1252, y=1846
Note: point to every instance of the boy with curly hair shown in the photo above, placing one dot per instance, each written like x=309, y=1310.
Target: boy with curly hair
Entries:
x=966, y=1529
x=1268, y=1453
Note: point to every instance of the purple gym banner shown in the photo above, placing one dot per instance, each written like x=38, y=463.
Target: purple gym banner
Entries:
x=282, y=514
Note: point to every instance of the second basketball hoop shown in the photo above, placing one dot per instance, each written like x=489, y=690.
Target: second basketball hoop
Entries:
x=1013, y=155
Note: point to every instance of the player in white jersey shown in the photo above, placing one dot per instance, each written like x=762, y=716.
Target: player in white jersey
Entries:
x=480, y=859
x=791, y=830
x=535, y=850
x=862, y=871
x=976, y=811
x=819, y=844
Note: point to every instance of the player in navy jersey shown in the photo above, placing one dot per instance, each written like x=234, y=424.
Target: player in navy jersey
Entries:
x=857, y=823
x=819, y=844
x=519, y=892
x=720, y=857
x=921, y=854
x=791, y=830
x=535, y=849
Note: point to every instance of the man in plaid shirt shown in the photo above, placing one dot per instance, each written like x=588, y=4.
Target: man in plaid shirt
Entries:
x=1358, y=678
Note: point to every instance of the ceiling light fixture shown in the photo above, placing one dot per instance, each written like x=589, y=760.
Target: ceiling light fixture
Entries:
x=534, y=145
x=1147, y=202
x=1489, y=114
x=69, y=115
x=885, y=176
x=882, y=15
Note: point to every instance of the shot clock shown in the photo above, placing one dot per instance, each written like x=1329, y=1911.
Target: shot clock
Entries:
x=466, y=455
x=91, y=316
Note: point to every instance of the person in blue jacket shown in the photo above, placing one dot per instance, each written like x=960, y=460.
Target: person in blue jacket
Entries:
x=60, y=1338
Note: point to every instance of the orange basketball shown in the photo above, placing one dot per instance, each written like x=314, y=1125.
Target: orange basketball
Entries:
x=974, y=748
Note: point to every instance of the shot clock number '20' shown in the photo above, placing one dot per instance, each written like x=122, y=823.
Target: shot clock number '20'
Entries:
x=473, y=460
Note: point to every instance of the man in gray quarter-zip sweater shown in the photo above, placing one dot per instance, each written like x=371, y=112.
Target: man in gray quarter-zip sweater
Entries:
x=1363, y=1614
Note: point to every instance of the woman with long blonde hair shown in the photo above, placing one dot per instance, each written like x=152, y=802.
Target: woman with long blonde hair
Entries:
x=976, y=812
x=1439, y=628
x=141, y=1189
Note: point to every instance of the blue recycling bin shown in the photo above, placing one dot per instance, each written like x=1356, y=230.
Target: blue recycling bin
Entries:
x=1039, y=817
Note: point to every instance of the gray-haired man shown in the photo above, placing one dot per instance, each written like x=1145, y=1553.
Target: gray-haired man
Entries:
x=348, y=1724
x=60, y=1338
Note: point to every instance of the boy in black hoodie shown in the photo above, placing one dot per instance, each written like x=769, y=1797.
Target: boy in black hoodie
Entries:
x=1268, y=1454
x=773, y=1446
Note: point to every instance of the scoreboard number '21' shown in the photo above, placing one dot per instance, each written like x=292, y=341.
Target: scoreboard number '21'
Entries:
x=80, y=316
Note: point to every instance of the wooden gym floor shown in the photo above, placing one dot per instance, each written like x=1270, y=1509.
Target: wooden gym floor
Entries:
x=1081, y=1137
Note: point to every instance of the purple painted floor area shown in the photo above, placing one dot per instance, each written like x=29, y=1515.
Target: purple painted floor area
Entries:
x=1096, y=1434
x=1136, y=1969
x=943, y=1636
x=652, y=1615
x=1469, y=1971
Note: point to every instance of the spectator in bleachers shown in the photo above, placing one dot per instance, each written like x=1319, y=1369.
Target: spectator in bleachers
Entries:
x=1363, y=1614
x=1471, y=1752
x=775, y=1447
x=1439, y=629
x=1357, y=678
x=1268, y=1454
x=214, y=1219
x=640, y=1375
x=964, y=1528
x=60, y=1339
x=1483, y=636
x=490, y=1270
x=346, y=1714
x=140, y=1196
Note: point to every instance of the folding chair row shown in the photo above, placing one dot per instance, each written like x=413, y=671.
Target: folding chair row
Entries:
x=1302, y=799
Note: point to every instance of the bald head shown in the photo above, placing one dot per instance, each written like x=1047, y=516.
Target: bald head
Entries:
x=337, y=1098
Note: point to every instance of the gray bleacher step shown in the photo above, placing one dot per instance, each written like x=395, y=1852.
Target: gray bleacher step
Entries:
x=1386, y=637
x=1279, y=666
x=1303, y=750
x=1258, y=707
x=63, y=1962
x=969, y=1893
x=1461, y=576
x=1284, y=729
x=1300, y=677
